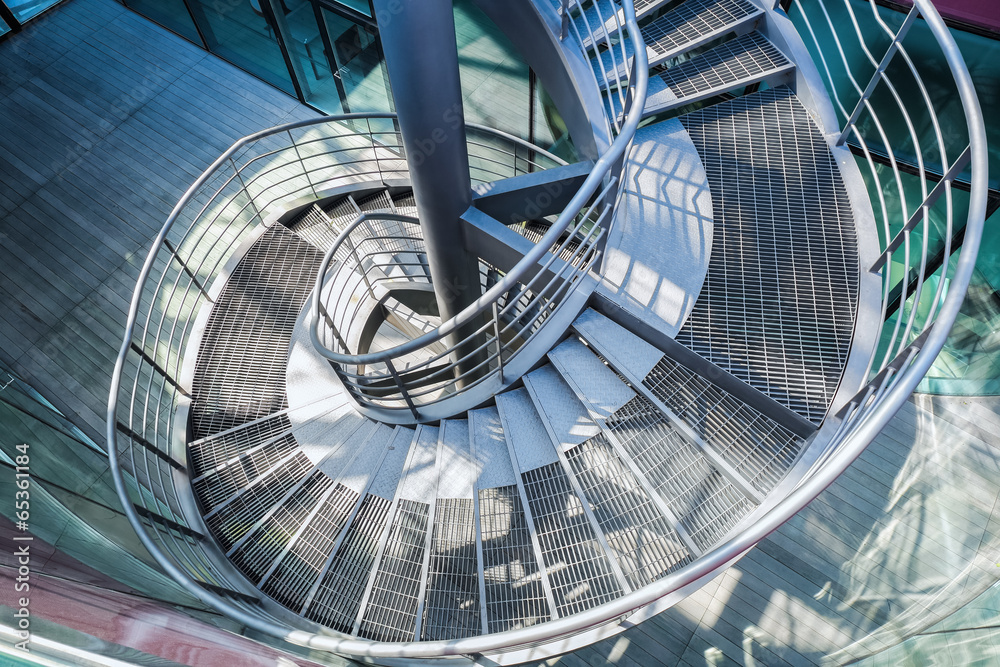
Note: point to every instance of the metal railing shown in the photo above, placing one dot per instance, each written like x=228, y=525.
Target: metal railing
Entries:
x=381, y=251
x=498, y=332
x=261, y=175
x=145, y=373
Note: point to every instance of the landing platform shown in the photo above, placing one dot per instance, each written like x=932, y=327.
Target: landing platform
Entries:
x=661, y=238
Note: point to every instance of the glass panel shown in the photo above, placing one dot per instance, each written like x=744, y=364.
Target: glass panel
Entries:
x=240, y=33
x=495, y=88
x=170, y=14
x=361, y=6
x=309, y=57
x=4, y=28
x=550, y=131
x=361, y=81
x=27, y=9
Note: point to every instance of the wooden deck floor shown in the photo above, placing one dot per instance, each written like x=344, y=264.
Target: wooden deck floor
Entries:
x=104, y=121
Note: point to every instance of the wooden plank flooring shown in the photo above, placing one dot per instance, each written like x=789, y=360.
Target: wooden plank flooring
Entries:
x=105, y=120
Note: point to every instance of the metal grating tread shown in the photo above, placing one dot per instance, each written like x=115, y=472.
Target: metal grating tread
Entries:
x=255, y=556
x=740, y=61
x=406, y=204
x=515, y=597
x=320, y=227
x=451, y=605
x=756, y=446
x=691, y=22
x=215, y=488
x=779, y=298
x=391, y=612
x=577, y=566
x=704, y=501
x=338, y=597
x=645, y=544
x=210, y=453
x=380, y=201
x=297, y=571
x=240, y=370
x=239, y=516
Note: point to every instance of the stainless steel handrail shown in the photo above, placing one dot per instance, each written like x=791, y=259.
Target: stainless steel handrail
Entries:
x=866, y=416
x=630, y=86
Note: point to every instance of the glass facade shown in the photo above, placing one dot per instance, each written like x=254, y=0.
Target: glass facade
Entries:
x=328, y=54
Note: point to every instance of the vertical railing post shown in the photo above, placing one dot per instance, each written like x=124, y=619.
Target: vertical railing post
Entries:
x=911, y=17
x=402, y=389
x=302, y=164
x=564, y=16
x=496, y=332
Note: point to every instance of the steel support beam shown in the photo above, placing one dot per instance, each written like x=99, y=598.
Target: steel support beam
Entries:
x=421, y=54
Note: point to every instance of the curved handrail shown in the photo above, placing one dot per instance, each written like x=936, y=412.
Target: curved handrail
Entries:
x=862, y=420
x=635, y=91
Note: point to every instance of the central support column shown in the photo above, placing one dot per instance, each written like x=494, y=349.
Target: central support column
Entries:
x=421, y=54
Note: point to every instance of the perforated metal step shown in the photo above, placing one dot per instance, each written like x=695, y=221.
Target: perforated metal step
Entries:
x=706, y=503
x=778, y=303
x=755, y=446
x=514, y=587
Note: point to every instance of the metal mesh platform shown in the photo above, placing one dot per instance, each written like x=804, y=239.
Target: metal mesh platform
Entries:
x=240, y=371
x=778, y=304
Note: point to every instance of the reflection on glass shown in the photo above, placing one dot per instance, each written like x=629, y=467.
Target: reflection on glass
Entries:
x=360, y=81
x=4, y=28
x=361, y=6
x=241, y=32
x=172, y=14
x=26, y=9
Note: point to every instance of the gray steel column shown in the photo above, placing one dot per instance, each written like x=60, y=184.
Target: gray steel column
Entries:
x=421, y=54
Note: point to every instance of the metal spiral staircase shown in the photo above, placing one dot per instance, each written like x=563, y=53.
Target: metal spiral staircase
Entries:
x=304, y=442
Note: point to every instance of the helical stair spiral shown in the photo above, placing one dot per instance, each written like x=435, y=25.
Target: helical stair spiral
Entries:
x=302, y=442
